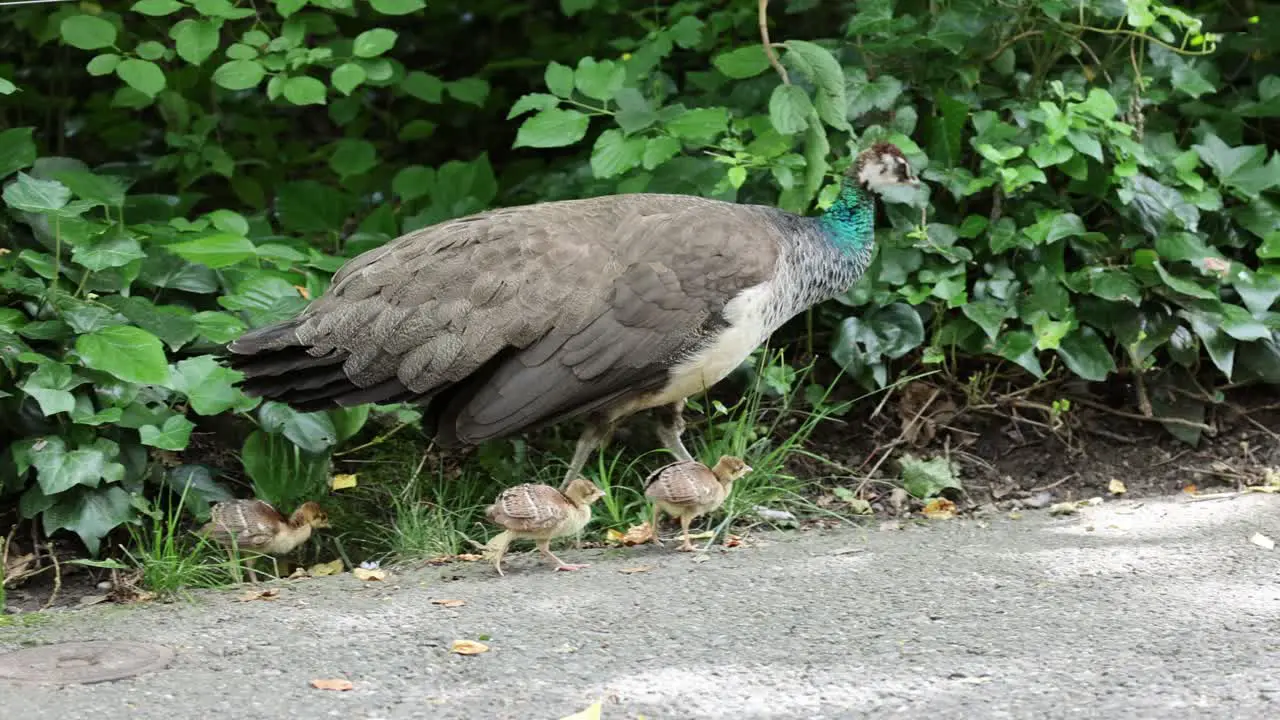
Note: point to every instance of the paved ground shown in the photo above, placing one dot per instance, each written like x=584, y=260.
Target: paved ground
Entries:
x=1162, y=609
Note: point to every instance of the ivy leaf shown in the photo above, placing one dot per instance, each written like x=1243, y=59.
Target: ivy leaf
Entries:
x=1019, y=347
x=59, y=470
x=824, y=71
x=1221, y=347
x=615, y=154
x=142, y=75
x=38, y=196
x=304, y=90
x=209, y=387
x=313, y=432
x=742, y=63
x=174, y=435
x=552, y=128
x=215, y=251
x=924, y=479
x=599, y=80
x=1226, y=161
x=988, y=315
x=1183, y=285
x=91, y=514
x=195, y=40
x=1242, y=325
x=17, y=150
x=1159, y=207
x=87, y=32
x=372, y=43
x=789, y=109
x=50, y=386
x=1258, y=290
x=115, y=250
x=1085, y=354
x=169, y=271
x=239, y=74
x=128, y=353
x=398, y=7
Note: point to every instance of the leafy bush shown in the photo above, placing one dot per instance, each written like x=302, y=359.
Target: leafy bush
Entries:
x=1101, y=197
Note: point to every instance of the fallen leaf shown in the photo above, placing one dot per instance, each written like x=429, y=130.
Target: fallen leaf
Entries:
x=1015, y=516
x=305, y=293
x=271, y=594
x=707, y=535
x=1116, y=487
x=732, y=541
x=591, y=713
x=613, y=537
x=636, y=569
x=369, y=573
x=1190, y=490
x=1063, y=508
x=469, y=557
x=449, y=603
x=329, y=568
x=927, y=478
x=771, y=515
x=342, y=482
x=939, y=509
x=638, y=534
x=338, y=684
x=298, y=573
x=468, y=647
x=1263, y=541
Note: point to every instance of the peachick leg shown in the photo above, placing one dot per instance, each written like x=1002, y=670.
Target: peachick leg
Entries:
x=596, y=434
x=671, y=427
x=684, y=528
x=657, y=515
x=544, y=547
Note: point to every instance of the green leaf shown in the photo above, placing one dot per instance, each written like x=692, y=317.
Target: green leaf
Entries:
x=115, y=250
x=989, y=315
x=413, y=182
x=702, y=124
x=372, y=43
x=17, y=150
x=599, y=80
x=169, y=271
x=559, y=79
x=239, y=74
x=552, y=128
x=347, y=77
x=1258, y=290
x=424, y=86
x=59, y=470
x=532, y=101
x=142, y=75
x=789, y=109
x=91, y=514
x=924, y=479
x=218, y=327
x=304, y=91
x=348, y=421
x=1086, y=355
x=125, y=352
x=742, y=63
x=353, y=157
x=471, y=90
x=615, y=154
x=658, y=150
x=209, y=387
x=1242, y=325
x=103, y=64
x=215, y=251
x=175, y=434
x=1226, y=161
x=196, y=40
x=1019, y=347
x=398, y=7
x=867, y=95
x=1221, y=347
x=157, y=8
x=313, y=432
x=1099, y=104
x=50, y=386
x=87, y=32
x=824, y=71
x=108, y=190
x=37, y=196
x=1185, y=286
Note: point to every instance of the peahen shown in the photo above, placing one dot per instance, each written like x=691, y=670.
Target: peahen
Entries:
x=518, y=318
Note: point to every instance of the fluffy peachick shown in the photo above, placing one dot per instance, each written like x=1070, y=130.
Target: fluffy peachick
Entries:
x=513, y=319
x=540, y=513
x=689, y=489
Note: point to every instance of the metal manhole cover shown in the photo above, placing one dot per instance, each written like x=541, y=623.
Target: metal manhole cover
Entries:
x=83, y=662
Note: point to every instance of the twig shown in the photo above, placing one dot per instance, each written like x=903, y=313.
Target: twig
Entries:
x=1144, y=401
x=768, y=47
x=1112, y=435
x=1136, y=416
x=1052, y=485
x=57, y=579
x=902, y=435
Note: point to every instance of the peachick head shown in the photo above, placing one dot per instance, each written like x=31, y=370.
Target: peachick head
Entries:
x=882, y=165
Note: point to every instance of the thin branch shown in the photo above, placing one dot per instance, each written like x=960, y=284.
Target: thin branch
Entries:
x=768, y=47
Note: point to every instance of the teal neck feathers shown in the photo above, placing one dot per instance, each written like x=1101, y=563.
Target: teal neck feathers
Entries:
x=850, y=222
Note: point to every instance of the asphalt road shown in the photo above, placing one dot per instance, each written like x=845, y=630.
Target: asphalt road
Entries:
x=1156, y=609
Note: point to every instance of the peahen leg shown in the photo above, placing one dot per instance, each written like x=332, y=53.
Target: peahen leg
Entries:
x=671, y=427
x=596, y=434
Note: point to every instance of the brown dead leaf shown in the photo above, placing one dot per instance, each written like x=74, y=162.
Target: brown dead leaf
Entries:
x=732, y=541
x=305, y=293
x=591, y=713
x=707, y=535
x=469, y=557
x=1191, y=490
x=468, y=647
x=342, y=482
x=329, y=568
x=369, y=573
x=638, y=534
x=1116, y=487
x=338, y=684
x=448, y=602
x=636, y=569
x=271, y=594
x=939, y=509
